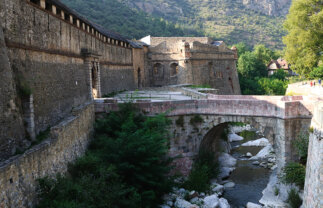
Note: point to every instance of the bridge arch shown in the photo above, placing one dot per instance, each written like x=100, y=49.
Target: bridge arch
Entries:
x=188, y=137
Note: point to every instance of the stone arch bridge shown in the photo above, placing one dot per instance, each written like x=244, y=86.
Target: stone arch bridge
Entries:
x=280, y=119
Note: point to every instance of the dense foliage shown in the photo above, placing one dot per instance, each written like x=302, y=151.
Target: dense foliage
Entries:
x=253, y=75
x=294, y=173
x=316, y=73
x=304, y=42
x=116, y=16
x=227, y=20
x=125, y=166
x=301, y=144
x=205, y=168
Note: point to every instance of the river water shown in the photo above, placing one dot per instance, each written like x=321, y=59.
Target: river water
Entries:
x=250, y=179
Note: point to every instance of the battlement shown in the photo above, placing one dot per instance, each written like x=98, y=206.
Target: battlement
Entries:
x=61, y=11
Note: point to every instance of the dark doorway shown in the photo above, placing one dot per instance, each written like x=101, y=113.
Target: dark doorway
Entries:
x=139, y=78
x=94, y=74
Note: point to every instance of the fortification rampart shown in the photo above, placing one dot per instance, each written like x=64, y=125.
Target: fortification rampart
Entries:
x=68, y=140
x=56, y=60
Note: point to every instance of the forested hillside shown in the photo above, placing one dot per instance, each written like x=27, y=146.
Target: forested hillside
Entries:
x=229, y=20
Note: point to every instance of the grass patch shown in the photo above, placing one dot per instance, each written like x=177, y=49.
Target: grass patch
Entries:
x=294, y=173
x=205, y=168
x=41, y=136
x=248, y=135
x=276, y=191
x=200, y=86
x=293, y=199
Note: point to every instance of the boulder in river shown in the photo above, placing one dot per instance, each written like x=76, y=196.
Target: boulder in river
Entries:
x=249, y=154
x=253, y=205
x=218, y=189
x=256, y=143
x=227, y=160
x=234, y=137
x=181, y=203
x=224, y=203
x=225, y=172
x=264, y=153
x=229, y=185
x=211, y=201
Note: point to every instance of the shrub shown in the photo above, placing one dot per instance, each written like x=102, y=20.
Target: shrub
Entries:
x=294, y=173
x=248, y=135
x=276, y=191
x=23, y=87
x=301, y=144
x=205, y=168
x=293, y=199
x=224, y=134
x=180, y=121
x=237, y=124
x=196, y=119
x=126, y=165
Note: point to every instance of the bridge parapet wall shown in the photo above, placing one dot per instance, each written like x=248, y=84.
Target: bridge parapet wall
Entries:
x=269, y=107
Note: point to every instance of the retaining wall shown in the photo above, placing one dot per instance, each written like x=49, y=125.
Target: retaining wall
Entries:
x=68, y=141
x=313, y=191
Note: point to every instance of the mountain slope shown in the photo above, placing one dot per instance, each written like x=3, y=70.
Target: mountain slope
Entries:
x=118, y=17
x=249, y=21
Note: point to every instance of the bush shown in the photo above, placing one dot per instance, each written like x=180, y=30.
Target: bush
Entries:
x=293, y=199
x=248, y=135
x=196, y=119
x=180, y=121
x=205, y=168
x=294, y=173
x=301, y=144
x=126, y=165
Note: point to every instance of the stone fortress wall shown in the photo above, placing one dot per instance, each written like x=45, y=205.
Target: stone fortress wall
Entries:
x=313, y=191
x=68, y=141
x=53, y=61
x=187, y=60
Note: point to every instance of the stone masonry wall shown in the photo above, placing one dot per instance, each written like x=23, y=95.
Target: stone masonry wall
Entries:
x=68, y=140
x=313, y=191
x=47, y=53
x=11, y=125
x=117, y=78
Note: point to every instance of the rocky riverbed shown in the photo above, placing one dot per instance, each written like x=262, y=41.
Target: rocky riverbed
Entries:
x=245, y=168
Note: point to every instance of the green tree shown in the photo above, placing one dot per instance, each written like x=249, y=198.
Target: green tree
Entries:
x=242, y=48
x=126, y=166
x=263, y=54
x=304, y=42
x=279, y=74
x=317, y=73
x=249, y=66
